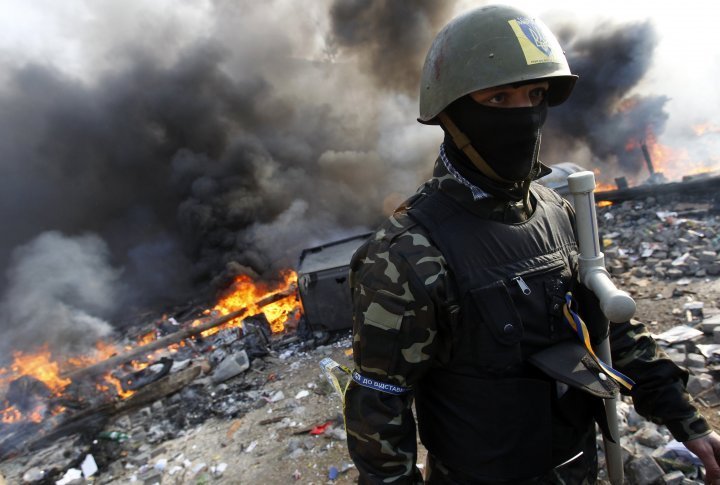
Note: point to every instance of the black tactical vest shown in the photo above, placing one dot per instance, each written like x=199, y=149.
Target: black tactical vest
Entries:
x=487, y=413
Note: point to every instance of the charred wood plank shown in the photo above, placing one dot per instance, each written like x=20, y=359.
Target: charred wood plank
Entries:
x=176, y=337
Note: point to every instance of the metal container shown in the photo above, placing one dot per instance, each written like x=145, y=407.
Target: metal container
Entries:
x=323, y=283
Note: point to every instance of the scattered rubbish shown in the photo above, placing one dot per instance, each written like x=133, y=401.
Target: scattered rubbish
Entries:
x=681, y=333
x=88, y=466
x=71, y=475
x=321, y=428
x=333, y=473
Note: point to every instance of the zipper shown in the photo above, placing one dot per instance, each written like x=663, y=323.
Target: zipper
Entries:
x=523, y=286
x=518, y=279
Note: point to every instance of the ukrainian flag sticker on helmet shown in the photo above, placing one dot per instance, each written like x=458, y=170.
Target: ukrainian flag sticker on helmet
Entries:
x=536, y=45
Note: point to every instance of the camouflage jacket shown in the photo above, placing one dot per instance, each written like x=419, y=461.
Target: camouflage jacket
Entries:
x=398, y=346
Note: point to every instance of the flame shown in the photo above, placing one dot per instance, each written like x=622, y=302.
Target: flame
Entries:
x=671, y=162
x=604, y=203
x=244, y=292
x=705, y=128
x=42, y=366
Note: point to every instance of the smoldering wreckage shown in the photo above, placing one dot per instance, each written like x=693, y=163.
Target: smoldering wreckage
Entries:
x=118, y=416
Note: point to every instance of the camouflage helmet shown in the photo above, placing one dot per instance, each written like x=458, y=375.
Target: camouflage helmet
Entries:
x=487, y=47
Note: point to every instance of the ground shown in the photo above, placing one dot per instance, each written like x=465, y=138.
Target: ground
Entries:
x=270, y=461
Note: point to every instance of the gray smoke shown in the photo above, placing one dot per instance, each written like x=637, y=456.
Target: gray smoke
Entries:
x=61, y=289
x=192, y=159
x=603, y=115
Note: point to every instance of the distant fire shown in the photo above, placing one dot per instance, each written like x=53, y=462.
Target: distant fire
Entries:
x=45, y=371
x=706, y=128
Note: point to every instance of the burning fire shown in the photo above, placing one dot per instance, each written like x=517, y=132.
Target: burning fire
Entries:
x=244, y=293
x=705, y=128
x=43, y=367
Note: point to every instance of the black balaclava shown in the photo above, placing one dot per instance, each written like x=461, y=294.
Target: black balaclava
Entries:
x=508, y=139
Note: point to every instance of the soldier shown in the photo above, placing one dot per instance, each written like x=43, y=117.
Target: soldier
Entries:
x=459, y=297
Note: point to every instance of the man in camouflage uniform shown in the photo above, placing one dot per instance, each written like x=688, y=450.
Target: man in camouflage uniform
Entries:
x=463, y=286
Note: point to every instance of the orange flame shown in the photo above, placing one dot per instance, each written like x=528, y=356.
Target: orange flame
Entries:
x=41, y=365
x=245, y=292
x=705, y=128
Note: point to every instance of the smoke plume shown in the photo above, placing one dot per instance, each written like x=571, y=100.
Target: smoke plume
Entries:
x=60, y=290
x=603, y=114
x=192, y=158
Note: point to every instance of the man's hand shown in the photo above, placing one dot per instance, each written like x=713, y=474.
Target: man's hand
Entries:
x=707, y=449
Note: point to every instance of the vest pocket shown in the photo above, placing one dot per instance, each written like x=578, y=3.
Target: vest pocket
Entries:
x=498, y=312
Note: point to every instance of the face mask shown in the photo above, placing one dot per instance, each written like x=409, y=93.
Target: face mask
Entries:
x=507, y=138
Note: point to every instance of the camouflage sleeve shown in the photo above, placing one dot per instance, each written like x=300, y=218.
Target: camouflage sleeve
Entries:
x=659, y=392
x=396, y=282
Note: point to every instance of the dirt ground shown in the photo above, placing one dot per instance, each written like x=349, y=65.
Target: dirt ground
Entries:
x=659, y=306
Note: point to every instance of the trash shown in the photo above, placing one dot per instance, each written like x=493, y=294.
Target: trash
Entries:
x=277, y=396
x=320, y=428
x=680, y=333
x=251, y=447
x=302, y=394
x=33, y=475
x=88, y=466
x=297, y=475
x=333, y=473
x=680, y=259
x=218, y=470
x=118, y=436
x=70, y=475
x=693, y=312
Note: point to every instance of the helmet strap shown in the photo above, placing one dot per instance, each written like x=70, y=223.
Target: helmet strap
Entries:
x=463, y=143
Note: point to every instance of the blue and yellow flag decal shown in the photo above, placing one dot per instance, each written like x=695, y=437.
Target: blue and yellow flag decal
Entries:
x=536, y=42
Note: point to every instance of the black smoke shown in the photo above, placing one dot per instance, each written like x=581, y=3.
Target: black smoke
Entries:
x=391, y=38
x=603, y=114
x=185, y=164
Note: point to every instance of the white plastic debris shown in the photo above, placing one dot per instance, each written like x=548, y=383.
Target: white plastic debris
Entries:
x=219, y=469
x=302, y=394
x=161, y=464
x=88, y=466
x=681, y=333
x=70, y=475
x=198, y=468
x=175, y=469
x=277, y=396
x=251, y=447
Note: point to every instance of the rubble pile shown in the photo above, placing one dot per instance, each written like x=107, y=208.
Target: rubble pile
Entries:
x=241, y=371
x=664, y=237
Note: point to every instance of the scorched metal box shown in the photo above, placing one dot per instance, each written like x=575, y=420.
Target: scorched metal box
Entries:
x=323, y=283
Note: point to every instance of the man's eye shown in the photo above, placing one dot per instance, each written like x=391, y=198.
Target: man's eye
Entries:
x=498, y=98
x=538, y=93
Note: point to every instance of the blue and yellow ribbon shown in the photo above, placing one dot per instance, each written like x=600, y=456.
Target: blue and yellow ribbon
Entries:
x=580, y=329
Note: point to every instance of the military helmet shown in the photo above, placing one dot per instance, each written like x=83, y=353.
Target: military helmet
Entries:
x=491, y=46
